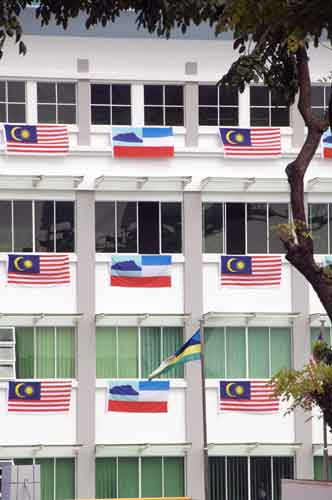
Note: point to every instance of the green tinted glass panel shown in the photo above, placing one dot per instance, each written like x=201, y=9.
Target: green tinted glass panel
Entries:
x=45, y=352
x=280, y=349
x=106, y=352
x=23, y=461
x=128, y=477
x=235, y=352
x=46, y=478
x=127, y=352
x=318, y=468
x=24, y=352
x=152, y=477
x=106, y=478
x=173, y=477
x=214, y=352
x=64, y=478
x=258, y=352
x=65, y=352
x=315, y=333
x=172, y=339
x=150, y=350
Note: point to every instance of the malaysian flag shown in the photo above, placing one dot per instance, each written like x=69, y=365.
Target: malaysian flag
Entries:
x=39, y=397
x=247, y=396
x=258, y=270
x=47, y=269
x=251, y=142
x=36, y=139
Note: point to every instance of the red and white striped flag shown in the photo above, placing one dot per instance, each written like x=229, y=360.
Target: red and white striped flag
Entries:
x=48, y=269
x=258, y=270
x=39, y=397
x=247, y=396
x=251, y=142
x=36, y=139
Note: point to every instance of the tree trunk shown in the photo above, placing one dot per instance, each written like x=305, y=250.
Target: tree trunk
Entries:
x=300, y=246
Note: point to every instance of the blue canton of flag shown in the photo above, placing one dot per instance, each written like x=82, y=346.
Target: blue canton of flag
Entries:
x=21, y=133
x=235, y=265
x=24, y=390
x=23, y=263
x=238, y=136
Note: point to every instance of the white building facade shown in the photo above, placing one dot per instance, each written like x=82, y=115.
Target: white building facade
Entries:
x=195, y=206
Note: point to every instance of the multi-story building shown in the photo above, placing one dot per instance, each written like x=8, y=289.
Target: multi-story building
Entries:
x=195, y=206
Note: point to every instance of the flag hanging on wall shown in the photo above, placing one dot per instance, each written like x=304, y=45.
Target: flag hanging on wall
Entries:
x=39, y=397
x=327, y=144
x=245, y=270
x=47, y=269
x=142, y=142
x=36, y=139
x=247, y=396
x=251, y=142
x=138, y=396
x=141, y=271
x=189, y=351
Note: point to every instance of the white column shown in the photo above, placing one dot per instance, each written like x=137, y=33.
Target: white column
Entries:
x=137, y=104
x=244, y=108
x=31, y=102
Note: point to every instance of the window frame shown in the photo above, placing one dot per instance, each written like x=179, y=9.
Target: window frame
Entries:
x=74, y=333
x=219, y=107
x=139, y=466
x=329, y=214
x=139, y=347
x=246, y=350
x=111, y=105
x=9, y=344
x=163, y=105
x=57, y=103
x=160, y=238
x=33, y=219
x=223, y=213
x=326, y=102
x=6, y=102
x=269, y=107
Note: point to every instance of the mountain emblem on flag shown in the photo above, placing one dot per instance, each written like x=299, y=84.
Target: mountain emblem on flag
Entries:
x=142, y=142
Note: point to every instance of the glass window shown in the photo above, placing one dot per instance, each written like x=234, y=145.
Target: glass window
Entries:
x=54, y=226
x=5, y=226
x=278, y=213
x=319, y=227
x=213, y=227
x=12, y=101
x=105, y=226
x=283, y=468
x=318, y=468
x=159, y=227
x=56, y=102
x=22, y=211
x=134, y=477
x=260, y=477
x=229, y=350
x=320, y=97
x=121, y=350
x=64, y=226
x=315, y=332
x=44, y=226
x=163, y=105
x=256, y=228
x=110, y=104
x=218, y=105
x=45, y=352
x=235, y=228
x=267, y=109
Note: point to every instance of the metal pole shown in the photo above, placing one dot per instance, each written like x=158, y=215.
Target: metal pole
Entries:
x=325, y=448
x=205, y=445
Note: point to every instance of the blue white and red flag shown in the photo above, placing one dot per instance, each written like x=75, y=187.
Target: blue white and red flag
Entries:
x=247, y=396
x=327, y=144
x=143, y=142
x=138, y=396
x=47, y=269
x=141, y=271
x=46, y=396
x=36, y=139
x=251, y=142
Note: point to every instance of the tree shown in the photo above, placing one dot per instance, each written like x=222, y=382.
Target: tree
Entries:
x=272, y=38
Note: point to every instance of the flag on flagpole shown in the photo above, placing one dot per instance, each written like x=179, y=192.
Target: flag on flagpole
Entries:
x=245, y=270
x=36, y=139
x=251, y=142
x=39, y=397
x=247, y=396
x=48, y=269
x=138, y=396
x=142, y=142
x=189, y=351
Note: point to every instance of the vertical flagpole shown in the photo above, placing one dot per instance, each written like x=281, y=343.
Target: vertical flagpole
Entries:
x=205, y=444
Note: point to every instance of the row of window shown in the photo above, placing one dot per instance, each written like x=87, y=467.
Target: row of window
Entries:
x=154, y=227
x=163, y=104
x=230, y=477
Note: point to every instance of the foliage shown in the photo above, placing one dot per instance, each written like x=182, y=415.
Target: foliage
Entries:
x=311, y=386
